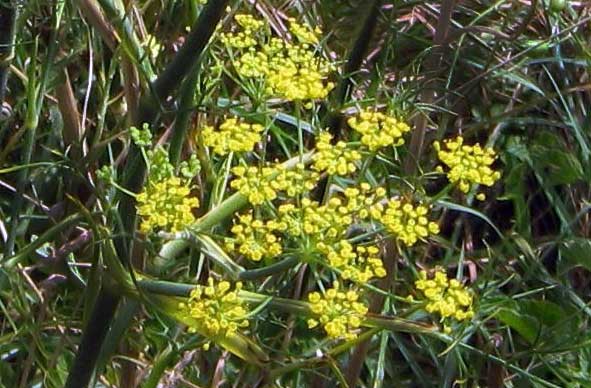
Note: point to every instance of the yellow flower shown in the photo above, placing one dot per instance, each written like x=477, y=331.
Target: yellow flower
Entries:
x=291, y=71
x=245, y=38
x=359, y=265
x=378, y=130
x=334, y=159
x=166, y=205
x=338, y=312
x=468, y=165
x=254, y=238
x=317, y=222
x=216, y=310
x=294, y=181
x=445, y=297
x=232, y=136
x=253, y=183
x=305, y=34
x=406, y=222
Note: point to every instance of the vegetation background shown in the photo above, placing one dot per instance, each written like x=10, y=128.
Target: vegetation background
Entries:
x=511, y=74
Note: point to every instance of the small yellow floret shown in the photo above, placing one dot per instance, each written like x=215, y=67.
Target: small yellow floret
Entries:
x=305, y=34
x=166, y=205
x=232, y=136
x=468, y=165
x=215, y=309
x=378, y=130
x=338, y=312
x=445, y=297
x=254, y=183
x=406, y=222
x=255, y=238
x=359, y=265
x=334, y=159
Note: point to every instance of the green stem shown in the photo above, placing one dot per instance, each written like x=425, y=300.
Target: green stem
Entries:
x=92, y=339
x=218, y=214
x=181, y=122
x=8, y=17
x=268, y=270
x=360, y=47
x=186, y=58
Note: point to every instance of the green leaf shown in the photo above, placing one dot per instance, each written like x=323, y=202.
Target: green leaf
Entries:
x=523, y=324
x=575, y=252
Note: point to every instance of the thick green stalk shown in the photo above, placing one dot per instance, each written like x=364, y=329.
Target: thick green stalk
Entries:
x=187, y=57
x=92, y=339
x=220, y=213
x=184, y=111
x=354, y=62
x=134, y=171
x=432, y=64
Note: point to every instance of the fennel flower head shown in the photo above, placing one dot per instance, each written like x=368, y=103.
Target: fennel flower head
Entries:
x=215, y=309
x=340, y=313
x=468, y=165
x=445, y=297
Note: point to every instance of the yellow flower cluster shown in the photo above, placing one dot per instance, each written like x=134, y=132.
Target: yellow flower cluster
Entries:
x=245, y=38
x=294, y=181
x=378, y=130
x=292, y=71
x=166, y=205
x=254, y=183
x=359, y=265
x=338, y=312
x=446, y=297
x=326, y=223
x=296, y=74
x=334, y=159
x=215, y=309
x=305, y=34
x=468, y=165
x=405, y=221
x=232, y=136
x=254, y=238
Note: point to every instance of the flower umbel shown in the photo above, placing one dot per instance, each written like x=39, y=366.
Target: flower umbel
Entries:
x=406, y=222
x=254, y=238
x=232, y=136
x=378, y=130
x=446, y=297
x=253, y=183
x=338, y=312
x=216, y=310
x=468, y=165
x=334, y=159
x=359, y=264
x=166, y=205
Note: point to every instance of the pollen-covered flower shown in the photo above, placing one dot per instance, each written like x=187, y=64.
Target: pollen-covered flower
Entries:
x=338, y=312
x=255, y=238
x=334, y=159
x=290, y=70
x=359, y=264
x=406, y=222
x=166, y=205
x=246, y=37
x=305, y=34
x=378, y=130
x=232, y=136
x=254, y=183
x=294, y=181
x=446, y=297
x=215, y=309
x=468, y=165
x=317, y=222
